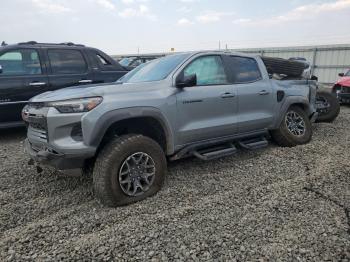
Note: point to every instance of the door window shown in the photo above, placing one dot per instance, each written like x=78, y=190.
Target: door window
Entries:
x=67, y=62
x=208, y=69
x=20, y=62
x=245, y=69
x=102, y=60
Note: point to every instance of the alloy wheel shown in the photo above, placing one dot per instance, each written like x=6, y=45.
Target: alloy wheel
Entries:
x=137, y=174
x=295, y=123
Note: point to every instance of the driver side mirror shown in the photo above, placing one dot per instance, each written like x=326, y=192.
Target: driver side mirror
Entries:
x=1, y=69
x=186, y=81
x=341, y=74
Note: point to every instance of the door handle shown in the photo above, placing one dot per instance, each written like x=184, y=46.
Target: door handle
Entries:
x=227, y=95
x=85, y=81
x=264, y=93
x=37, y=84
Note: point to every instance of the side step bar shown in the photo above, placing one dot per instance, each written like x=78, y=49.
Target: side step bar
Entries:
x=252, y=144
x=229, y=149
x=211, y=154
x=222, y=147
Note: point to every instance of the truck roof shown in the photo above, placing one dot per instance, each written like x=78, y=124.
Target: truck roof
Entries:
x=219, y=52
x=36, y=44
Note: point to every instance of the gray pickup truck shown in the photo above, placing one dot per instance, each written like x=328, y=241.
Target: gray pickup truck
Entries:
x=202, y=104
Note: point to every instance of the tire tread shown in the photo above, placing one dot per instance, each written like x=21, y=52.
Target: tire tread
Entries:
x=282, y=138
x=101, y=176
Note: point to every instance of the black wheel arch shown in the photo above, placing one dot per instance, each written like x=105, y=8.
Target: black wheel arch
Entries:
x=145, y=121
x=290, y=101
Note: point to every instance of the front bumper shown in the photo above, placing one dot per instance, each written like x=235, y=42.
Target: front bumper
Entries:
x=343, y=94
x=56, y=139
x=344, y=97
x=47, y=156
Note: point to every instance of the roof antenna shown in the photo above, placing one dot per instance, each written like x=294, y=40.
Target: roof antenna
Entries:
x=3, y=43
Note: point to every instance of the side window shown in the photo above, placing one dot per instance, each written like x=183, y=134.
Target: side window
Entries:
x=102, y=60
x=245, y=69
x=20, y=62
x=67, y=62
x=209, y=70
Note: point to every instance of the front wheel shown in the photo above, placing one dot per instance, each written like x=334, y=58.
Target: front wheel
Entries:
x=129, y=169
x=295, y=128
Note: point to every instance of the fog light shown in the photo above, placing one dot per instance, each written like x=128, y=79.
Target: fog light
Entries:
x=77, y=133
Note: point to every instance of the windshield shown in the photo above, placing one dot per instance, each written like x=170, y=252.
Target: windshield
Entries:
x=126, y=61
x=154, y=70
x=347, y=73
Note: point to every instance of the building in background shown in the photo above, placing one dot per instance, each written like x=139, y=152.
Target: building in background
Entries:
x=327, y=61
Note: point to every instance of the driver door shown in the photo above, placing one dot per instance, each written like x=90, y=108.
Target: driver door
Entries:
x=209, y=109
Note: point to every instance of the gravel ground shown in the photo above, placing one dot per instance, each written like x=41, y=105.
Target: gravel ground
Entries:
x=273, y=204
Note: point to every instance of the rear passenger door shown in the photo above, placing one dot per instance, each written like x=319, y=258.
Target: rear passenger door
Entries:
x=23, y=76
x=255, y=97
x=209, y=109
x=68, y=67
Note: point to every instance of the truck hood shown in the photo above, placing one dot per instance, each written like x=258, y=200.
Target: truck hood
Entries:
x=95, y=90
x=344, y=81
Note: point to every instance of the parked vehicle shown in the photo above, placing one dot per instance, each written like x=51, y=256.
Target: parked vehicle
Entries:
x=28, y=69
x=134, y=61
x=202, y=104
x=342, y=88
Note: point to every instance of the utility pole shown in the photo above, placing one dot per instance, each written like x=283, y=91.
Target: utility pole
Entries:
x=226, y=47
x=219, y=45
x=138, y=50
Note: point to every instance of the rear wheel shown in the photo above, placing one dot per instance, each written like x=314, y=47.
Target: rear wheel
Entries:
x=295, y=128
x=129, y=169
x=328, y=106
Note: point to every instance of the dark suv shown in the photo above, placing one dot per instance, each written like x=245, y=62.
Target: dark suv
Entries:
x=28, y=69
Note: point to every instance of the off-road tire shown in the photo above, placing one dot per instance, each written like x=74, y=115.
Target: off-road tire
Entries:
x=108, y=164
x=283, y=137
x=282, y=66
x=334, y=108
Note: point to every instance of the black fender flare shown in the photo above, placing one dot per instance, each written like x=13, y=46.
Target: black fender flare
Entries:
x=289, y=101
x=95, y=135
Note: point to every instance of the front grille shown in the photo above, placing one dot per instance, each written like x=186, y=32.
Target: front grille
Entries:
x=345, y=89
x=38, y=126
x=35, y=117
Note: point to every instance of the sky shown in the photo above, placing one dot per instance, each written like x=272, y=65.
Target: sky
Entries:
x=147, y=26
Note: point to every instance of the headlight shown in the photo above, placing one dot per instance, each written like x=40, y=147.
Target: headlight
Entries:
x=76, y=105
